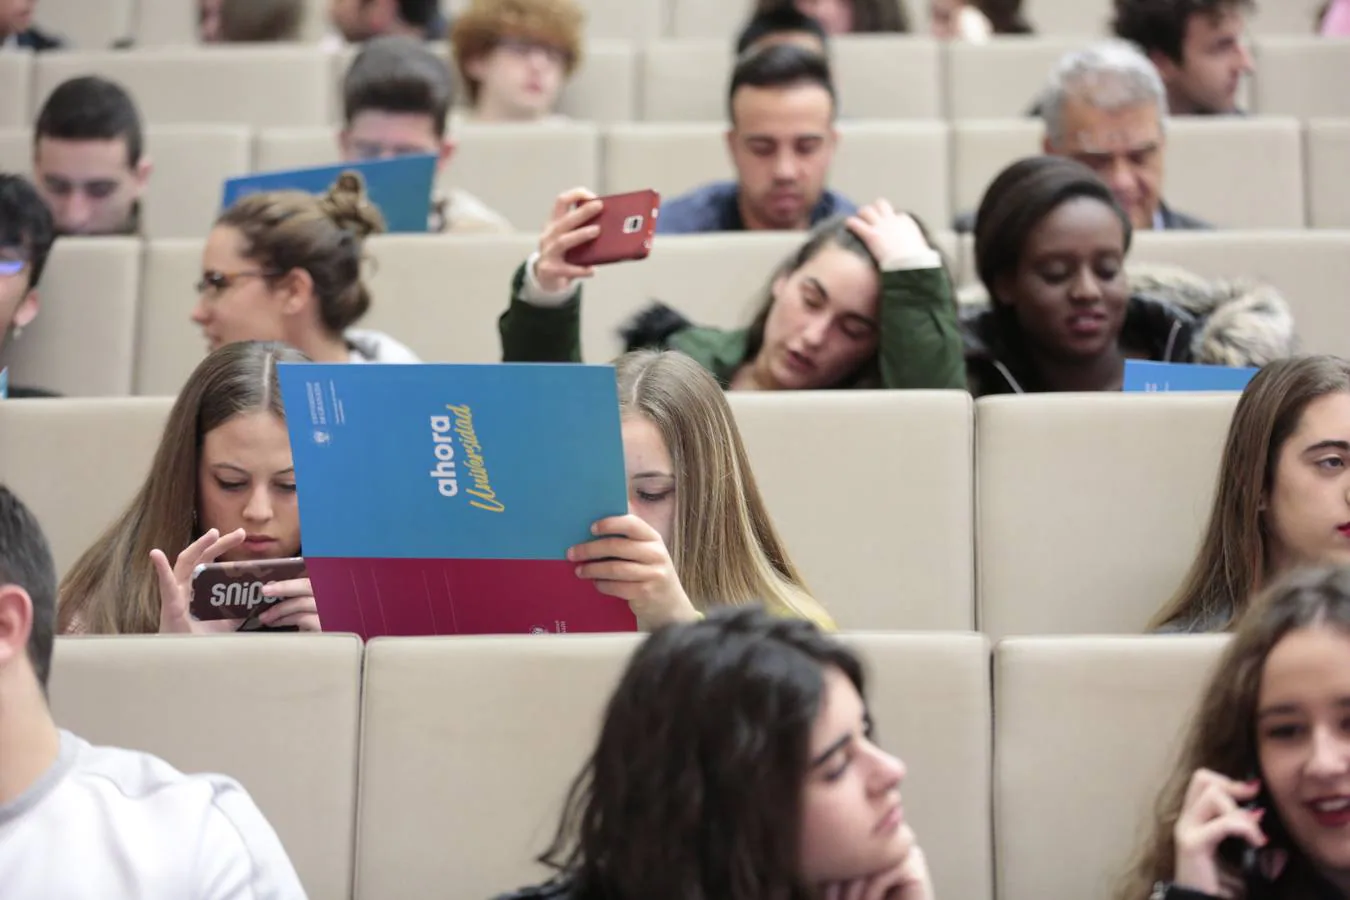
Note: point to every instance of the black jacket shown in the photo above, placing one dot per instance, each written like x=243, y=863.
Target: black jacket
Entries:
x=558, y=889
x=37, y=40
x=24, y=393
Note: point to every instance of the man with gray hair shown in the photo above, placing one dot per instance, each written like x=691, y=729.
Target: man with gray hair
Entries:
x=1105, y=106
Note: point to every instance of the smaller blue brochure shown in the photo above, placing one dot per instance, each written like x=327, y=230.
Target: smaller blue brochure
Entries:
x=1142, y=376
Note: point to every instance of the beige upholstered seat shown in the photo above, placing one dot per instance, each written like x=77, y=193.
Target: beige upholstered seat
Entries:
x=1329, y=173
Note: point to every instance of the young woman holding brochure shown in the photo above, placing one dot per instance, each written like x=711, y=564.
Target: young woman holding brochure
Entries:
x=737, y=761
x=865, y=302
x=221, y=487
x=1258, y=806
x=697, y=535
x=1282, y=497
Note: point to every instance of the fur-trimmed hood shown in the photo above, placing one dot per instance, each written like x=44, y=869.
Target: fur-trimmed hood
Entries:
x=1173, y=316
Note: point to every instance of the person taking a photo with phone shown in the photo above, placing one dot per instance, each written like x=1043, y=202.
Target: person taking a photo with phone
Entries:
x=864, y=302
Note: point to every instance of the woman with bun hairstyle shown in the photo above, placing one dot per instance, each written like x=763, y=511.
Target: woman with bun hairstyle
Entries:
x=1258, y=804
x=737, y=760
x=1050, y=248
x=286, y=266
x=698, y=534
x=221, y=488
x=1282, y=496
x=865, y=302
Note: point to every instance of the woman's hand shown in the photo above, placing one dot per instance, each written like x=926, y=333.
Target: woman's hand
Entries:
x=907, y=881
x=1211, y=813
x=631, y=562
x=890, y=236
x=175, y=583
x=566, y=229
x=298, y=608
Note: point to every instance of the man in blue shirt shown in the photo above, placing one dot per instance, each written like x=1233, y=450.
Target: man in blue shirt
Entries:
x=782, y=140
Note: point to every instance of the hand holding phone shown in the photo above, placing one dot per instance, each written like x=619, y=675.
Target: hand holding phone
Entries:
x=1217, y=809
x=254, y=595
x=175, y=580
x=585, y=231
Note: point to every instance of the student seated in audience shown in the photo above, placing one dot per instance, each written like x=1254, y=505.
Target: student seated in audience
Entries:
x=1199, y=48
x=18, y=32
x=781, y=140
x=1281, y=496
x=973, y=21
x=515, y=57
x=221, y=487
x=849, y=16
x=1050, y=248
x=361, y=20
x=865, y=302
x=26, y=237
x=1105, y=106
x=286, y=266
x=82, y=821
x=396, y=99
x=737, y=760
x=1255, y=808
x=250, y=21
x=698, y=535
x=783, y=24
x=89, y=159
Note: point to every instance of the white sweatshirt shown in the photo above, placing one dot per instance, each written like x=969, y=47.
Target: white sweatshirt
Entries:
x=110, y=824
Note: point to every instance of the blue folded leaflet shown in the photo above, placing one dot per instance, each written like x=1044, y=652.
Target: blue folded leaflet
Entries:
x=400, y=187
x=1142, y=376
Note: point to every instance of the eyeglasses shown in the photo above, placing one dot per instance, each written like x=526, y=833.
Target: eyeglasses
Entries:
x=216, y=282
x=11, y=266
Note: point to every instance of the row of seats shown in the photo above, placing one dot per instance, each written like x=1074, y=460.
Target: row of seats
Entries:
x=879, y=77
x=115, y=317
x=171, y=22
x=1260, y=172
x=912, y=510
x=436, y=768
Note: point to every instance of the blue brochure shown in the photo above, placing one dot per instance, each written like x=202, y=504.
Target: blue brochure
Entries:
x=4, y=383
x=1158, y=377
x=400, y=187
x=442, y=499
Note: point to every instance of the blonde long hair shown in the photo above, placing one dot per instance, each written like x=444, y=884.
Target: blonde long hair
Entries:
x=724, y=546
x=1222, y=735
x=1233, y=563
x=112, y=588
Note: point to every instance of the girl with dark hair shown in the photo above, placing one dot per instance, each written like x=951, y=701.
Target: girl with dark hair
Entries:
x=1265, y=769
x=865, y=302
x=1050, y=248
x=737, y=761
x=849, y=16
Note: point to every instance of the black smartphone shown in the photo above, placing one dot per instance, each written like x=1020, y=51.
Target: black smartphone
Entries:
x=1240, y=855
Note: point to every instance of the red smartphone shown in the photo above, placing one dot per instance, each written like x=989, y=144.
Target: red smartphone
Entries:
x=233, y=590
x=627, y=224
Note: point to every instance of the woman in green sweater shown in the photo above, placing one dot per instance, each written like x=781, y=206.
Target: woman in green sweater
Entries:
x=864, y=302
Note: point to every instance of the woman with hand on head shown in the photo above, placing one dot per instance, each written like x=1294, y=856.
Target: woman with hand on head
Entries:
x=1258, y=807
x=286, y=266
x=737, y=761
x=865, y=302
x=221, y=488
x=1282, y=497
x=1050, y=248
x=697, y=535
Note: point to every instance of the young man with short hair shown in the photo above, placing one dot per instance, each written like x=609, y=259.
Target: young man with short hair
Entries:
x=88, y=158
x=1197, y=46
x=781, y=140
x=396, y=99
x=361, y=20
x=515, y=56
x=84, y=821
x=26, y=237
